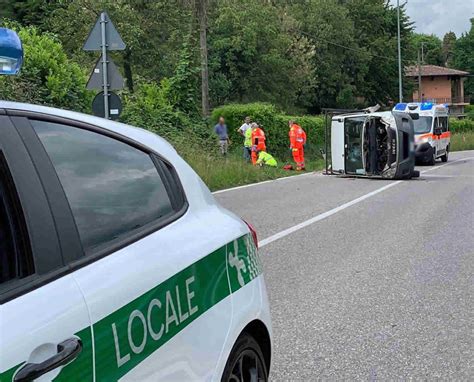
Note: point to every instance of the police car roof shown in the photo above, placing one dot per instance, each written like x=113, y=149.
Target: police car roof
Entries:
x=142, y=136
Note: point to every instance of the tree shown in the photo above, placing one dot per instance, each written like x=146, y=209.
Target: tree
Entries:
x=449, y=42
x=374, y=43
x=252, y=54
x=464, y=57
x=27, y=12
x=432, y=49
x=201, y=12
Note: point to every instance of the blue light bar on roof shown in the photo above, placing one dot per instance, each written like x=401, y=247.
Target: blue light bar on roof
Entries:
x=11, y=52
x=400, y=106
x=426, y=106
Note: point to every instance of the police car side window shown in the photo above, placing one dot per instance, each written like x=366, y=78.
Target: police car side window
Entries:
x=114, y=189
x=15, y=257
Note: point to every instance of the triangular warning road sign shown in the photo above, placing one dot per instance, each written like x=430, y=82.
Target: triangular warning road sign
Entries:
x=112, y=37
x=115, y=79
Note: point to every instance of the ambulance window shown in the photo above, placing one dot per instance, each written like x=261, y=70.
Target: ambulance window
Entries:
x=114, y=189
x=443, y=123
x=15, y=257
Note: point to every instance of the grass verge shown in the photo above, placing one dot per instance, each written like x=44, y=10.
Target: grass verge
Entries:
x=462, y=141
x=224, y=172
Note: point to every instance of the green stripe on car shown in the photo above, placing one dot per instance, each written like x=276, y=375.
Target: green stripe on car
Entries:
x=130, y=334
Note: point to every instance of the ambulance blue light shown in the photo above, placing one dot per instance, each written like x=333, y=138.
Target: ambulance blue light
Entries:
x=426, y=106
x=11, y=52
x=400, y=106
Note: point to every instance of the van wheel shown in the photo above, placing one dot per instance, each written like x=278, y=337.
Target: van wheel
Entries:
x=245, y=363
x=444, y=158
x=432, y=161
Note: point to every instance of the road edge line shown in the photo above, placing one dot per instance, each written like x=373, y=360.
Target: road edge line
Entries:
x=263, y=182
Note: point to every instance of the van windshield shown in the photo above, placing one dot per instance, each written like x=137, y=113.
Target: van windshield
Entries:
x=422, y=125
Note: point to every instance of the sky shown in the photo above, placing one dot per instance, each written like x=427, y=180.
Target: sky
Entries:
x=440, y=16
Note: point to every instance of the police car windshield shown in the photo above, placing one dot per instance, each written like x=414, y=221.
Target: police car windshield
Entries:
x=422, y=125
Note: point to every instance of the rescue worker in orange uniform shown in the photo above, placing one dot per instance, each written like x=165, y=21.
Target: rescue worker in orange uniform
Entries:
x=258, y=142
x=297, y=142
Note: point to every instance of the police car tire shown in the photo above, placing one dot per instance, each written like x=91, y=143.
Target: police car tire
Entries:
x=245, y=345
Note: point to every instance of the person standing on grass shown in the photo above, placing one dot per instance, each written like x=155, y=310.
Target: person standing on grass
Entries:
x=221, y=130
x=242, y=130
x=297, y=142
x=258, y=142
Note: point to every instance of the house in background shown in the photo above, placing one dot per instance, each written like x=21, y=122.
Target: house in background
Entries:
x=440, y=85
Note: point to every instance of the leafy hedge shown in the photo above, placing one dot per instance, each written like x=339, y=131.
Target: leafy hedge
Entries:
x=275, y=125
x=469, y=110
x=48, y=76
x=461, y=125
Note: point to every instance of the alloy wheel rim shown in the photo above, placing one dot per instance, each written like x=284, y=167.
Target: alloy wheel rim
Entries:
x=248, y=368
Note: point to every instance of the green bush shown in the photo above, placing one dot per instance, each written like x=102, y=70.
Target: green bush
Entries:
x=47, y=77
x=461, y=125
x=151, y=108
x=469, y=110
x=275, y=125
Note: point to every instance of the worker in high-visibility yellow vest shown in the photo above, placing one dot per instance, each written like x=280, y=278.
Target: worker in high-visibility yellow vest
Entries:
x=266, y=159
x=248, y=144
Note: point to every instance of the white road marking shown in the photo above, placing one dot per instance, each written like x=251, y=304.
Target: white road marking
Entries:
x=267, y=181
x=446, y=176
x=335, y=210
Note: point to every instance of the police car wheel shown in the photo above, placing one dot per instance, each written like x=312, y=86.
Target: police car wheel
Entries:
x=245, y=363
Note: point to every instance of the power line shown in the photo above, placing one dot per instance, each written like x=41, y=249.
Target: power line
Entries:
x=359, y=50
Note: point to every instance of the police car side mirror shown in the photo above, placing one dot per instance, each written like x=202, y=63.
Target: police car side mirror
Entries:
x=11, y=52
x=438, y=131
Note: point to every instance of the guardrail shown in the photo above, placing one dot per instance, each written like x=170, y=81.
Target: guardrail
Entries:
x=451, y=100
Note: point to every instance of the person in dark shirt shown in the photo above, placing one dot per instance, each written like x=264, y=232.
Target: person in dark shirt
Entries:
x=221, y=130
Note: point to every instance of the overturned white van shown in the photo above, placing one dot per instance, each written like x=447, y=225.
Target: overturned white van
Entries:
x=377, y=145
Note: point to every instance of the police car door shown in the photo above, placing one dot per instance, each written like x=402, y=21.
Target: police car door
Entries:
x=45, y=330
x=154, y=272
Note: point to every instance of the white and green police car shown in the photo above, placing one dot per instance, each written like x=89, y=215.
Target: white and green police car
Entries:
x=116, y=262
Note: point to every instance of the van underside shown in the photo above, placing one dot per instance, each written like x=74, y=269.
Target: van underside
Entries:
x=379, y=146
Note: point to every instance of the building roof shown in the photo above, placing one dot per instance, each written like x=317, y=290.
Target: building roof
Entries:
x=433, y=70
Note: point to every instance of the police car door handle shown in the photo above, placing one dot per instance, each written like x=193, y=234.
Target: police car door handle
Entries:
x=68, y=351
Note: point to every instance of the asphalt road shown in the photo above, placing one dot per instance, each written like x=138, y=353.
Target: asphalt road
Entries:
x=379, y=284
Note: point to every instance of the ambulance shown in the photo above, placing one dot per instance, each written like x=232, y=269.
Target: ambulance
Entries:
x=432, y=135
x=116, y=261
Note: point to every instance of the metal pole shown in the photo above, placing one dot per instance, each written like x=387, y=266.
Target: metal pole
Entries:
x=105, y=77
x=400, y=89
x=422, y=52
x=326, y=141
x=420, y=93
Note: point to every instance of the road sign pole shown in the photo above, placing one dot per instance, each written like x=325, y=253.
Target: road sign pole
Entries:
x=103, y=24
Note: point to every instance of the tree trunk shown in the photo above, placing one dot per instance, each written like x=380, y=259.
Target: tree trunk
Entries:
x=127, y=68
x=201, y=8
